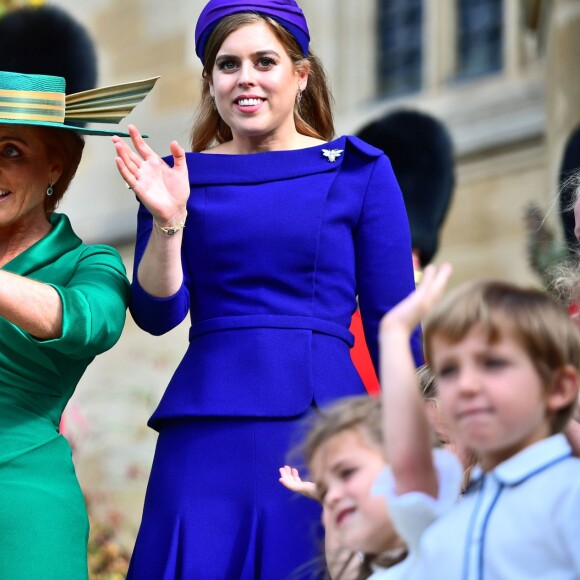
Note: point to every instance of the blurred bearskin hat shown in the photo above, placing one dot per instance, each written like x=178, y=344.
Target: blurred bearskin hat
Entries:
x=48, y=40
x=569, y=170
x=421, y=153
x=556, y=260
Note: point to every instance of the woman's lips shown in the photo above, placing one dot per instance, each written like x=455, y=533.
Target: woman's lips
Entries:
x=248, y=104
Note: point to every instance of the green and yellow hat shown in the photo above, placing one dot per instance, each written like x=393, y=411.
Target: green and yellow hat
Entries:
x=27, y=99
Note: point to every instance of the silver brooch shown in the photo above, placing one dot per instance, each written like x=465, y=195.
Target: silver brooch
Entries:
x=332, y=154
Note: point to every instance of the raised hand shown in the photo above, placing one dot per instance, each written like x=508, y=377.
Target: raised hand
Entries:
x=405, y=425
x=163, y=190
x=290, y=478
x=413, y=309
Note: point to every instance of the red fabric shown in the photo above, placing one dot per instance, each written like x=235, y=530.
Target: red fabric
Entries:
x=361, y=357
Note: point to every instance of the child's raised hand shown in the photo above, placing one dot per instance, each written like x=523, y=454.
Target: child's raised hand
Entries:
x=412, y=310
x=407, y=430
x=290, y=478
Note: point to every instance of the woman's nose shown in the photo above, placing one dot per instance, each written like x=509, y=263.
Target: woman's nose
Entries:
x=246, y=75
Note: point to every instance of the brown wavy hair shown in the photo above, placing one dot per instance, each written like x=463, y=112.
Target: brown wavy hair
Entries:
x=313, y=116
x=67, y=146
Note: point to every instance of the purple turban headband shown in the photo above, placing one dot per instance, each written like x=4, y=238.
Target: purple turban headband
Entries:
x=285, y=12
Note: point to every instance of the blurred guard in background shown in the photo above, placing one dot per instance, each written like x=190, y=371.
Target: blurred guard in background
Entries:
x=421, y=152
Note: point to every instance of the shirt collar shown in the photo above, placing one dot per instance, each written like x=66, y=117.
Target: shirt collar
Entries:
x=526, y=463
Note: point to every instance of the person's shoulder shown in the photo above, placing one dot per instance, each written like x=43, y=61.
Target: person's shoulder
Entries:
x=218, y=149
x=558, y=480
x=572, y=465
x=363, y=147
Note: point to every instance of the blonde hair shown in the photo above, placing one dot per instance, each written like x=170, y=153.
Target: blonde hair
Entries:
x=313, y=116
x=538, y=322
x=361, y=411
x=564, y=277
x=427, y=382
x=564, y=282
x=571, y=182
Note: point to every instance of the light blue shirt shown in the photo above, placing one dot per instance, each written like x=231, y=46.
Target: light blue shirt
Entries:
x=519, y=521
x=413, y=512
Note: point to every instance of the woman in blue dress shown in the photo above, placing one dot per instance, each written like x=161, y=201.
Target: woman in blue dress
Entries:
x=265, y=234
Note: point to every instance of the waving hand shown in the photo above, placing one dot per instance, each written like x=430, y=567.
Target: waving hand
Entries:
x=163, y=190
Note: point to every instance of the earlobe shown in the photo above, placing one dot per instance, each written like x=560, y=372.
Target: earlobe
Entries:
x=55, y=167
x=564, y=389
x=55, y=173
x=303, y=75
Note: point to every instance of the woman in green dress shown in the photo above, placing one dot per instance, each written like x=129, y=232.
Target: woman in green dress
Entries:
x=61, y=304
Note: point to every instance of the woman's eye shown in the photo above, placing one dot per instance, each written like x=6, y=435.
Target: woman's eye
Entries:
x=10, y=151
x=226, y=65
x=266, y=62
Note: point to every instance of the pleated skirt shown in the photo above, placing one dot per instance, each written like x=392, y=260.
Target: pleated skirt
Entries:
x=215, y=510
x=43, y=520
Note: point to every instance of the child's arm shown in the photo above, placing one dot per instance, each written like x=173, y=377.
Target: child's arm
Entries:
x=341, y=562
x=406, y=428
x=290, y=478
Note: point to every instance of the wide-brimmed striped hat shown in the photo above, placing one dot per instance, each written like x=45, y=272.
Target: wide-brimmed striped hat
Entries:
x=27, y=99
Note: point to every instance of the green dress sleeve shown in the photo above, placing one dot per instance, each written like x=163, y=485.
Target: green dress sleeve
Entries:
x=91, y=282
x=94, y=304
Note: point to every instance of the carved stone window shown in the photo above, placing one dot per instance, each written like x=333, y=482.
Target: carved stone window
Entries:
x=479, y=37
x=400, y=51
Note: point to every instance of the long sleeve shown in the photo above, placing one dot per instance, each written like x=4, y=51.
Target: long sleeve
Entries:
x=91, y=283
x=94, y=304
x=384, y=268
x=154, y=315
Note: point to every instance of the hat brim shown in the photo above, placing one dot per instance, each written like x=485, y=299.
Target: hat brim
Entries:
x=79, y=130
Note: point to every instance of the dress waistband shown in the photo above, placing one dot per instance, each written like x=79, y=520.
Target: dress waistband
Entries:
x=272, y=321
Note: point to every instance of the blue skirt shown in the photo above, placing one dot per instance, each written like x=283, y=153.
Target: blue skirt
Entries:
x=214, y=507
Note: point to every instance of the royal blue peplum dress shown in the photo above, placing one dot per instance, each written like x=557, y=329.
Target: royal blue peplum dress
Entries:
x=276, y=248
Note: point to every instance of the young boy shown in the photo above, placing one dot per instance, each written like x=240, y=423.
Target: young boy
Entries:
x=507, y=362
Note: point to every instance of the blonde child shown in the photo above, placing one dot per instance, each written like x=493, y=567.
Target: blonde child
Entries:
x=344, y=454
x=506, y=362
